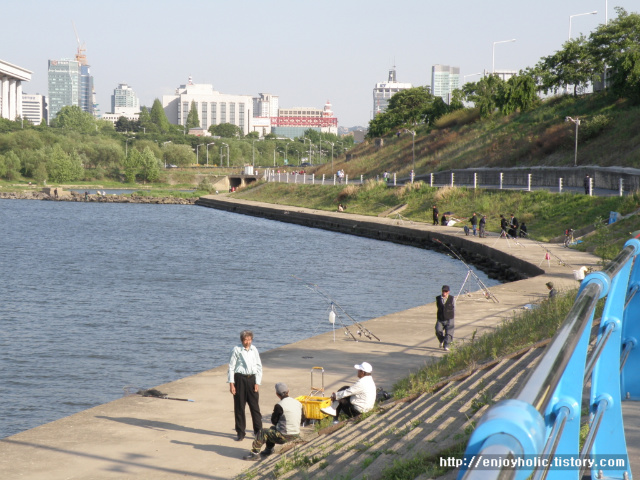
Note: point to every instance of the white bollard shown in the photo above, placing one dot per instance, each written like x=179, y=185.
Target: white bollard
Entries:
x=346, y=179
x=361, y=179
x=323, y=179
x=528, y=182
x=560, y=185
x=591, y=186
x=501, y=178
x=287, y=177
x=475, y=180
x=621, y=187
x=394, y=180
x=452, y=178
x=431, y=185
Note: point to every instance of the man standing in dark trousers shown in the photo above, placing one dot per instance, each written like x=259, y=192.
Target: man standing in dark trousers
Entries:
x=435, y=215
x=587, y=184
x=446, y=305
x=244, y=378
x=474, y=223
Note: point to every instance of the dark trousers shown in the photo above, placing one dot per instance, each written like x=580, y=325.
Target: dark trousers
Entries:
x=444, y=332
x=345, y=407
x=245, y=393
x=270, y=436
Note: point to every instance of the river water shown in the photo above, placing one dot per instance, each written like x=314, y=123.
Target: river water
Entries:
x=95, y=297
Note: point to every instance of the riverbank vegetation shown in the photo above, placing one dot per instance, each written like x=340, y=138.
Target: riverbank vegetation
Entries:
x=547, y=215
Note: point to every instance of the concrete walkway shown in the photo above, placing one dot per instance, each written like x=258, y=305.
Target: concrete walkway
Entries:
x=140, y=438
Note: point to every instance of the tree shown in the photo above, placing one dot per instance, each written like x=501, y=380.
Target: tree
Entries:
x=73, y=118
x=149, y=165
x=252, y=135
x=616, y=46
x=484, y=93
x=410, y=105
x=123, y=124
x=10, y=166
x=192, y=118
x=519, y=93
x=159, y=118
x=63, y=167
x=225, y=130
x=132, y=165
x=573, y=65
x=181, y=155
x=145, y=121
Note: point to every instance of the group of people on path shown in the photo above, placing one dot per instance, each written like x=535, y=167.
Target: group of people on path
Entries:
x=244, y=379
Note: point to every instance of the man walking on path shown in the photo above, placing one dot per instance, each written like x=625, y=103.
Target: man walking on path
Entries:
x=435, y=215
x=474, y=223
x=483, y=226
x=445, y=324
x=244, y=379
x=286, y=418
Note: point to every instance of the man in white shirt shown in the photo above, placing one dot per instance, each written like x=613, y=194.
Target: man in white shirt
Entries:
x=244, y=379
x=356, y=399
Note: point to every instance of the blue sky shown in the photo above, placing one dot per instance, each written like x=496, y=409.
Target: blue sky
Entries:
x=307, y=52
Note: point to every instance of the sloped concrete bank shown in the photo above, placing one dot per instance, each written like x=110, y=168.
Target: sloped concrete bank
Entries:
x=494, y=262
x=67, y=196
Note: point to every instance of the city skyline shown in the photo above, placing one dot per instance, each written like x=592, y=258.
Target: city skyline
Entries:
x=304, y=53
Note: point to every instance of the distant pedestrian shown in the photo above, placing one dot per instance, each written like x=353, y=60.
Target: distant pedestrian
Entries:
x=55, y=192
x=503, y=226
x=482, y=225
x=587, y=184
x=513, y=226
x=446, y=306
x=552, y=290
x=523, y=230
x=244, y=379
x=474, y=223
x=435, y=214
x=444, y=219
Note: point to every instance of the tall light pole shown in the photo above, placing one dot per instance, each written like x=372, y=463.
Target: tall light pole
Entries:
x=579, y=15
x=413, y=151
x=126, y=144
x=330, y=143
x=212, y=143
x=577, y=122
x=227, y=153
x=305, y=139
x=165, y=157
x=197, y=147
x=493, y=59
x=464, y=77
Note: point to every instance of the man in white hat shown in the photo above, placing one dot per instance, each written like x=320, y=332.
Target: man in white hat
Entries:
x=356, y=399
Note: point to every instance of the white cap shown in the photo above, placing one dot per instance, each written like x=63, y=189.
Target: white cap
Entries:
x=365, y=367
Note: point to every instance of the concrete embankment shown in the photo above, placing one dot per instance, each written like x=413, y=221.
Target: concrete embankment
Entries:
x=70, y=196
x=147, y=438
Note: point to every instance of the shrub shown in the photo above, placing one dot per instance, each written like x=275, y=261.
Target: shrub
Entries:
x=593, y=127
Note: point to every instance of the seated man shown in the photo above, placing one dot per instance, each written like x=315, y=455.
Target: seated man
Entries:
x=286, y=418
x=356, y=399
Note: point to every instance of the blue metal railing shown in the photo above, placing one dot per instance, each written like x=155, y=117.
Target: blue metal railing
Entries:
x=537, y=433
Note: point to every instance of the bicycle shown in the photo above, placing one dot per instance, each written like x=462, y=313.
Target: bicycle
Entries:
x=568, y=237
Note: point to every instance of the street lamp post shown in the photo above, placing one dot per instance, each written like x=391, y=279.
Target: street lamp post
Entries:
x=165, y=157
x=227, y=153
x=126, y=144
x=413, y=151
x=493, y=60
x=197, y=147
x=212, y=143
x=579, y=15
x=305, y=139
x=330, y=143
x=464, y=77
x=577, y=122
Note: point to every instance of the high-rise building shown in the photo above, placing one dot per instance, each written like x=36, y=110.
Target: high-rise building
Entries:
x=383, y=91
x=265, y=105
x=124, y=100
x=70, y=83
x=444, y=80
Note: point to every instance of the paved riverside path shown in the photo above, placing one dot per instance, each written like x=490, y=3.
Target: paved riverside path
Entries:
x=149, y=438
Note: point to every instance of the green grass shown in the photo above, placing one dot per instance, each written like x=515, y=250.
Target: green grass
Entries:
x=547, y=214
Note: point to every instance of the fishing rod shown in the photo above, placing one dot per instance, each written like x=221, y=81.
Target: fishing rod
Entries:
x=560, y=261
x=362, y=330
x=487, y=293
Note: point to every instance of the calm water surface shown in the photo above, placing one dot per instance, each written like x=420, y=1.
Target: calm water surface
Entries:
x=95, y=297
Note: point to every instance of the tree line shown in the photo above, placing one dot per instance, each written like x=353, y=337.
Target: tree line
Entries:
x=610, y=56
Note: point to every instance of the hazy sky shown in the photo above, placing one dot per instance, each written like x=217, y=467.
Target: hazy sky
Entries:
x=306, y=52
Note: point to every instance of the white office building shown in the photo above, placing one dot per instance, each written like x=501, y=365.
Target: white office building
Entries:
x=34, y=108
x=213, y=107
x=124, y=100
x=383, y=91
x=11, y=78
x=444, y=80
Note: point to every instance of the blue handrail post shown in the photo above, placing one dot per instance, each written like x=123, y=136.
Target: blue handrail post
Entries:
x=605, y=382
